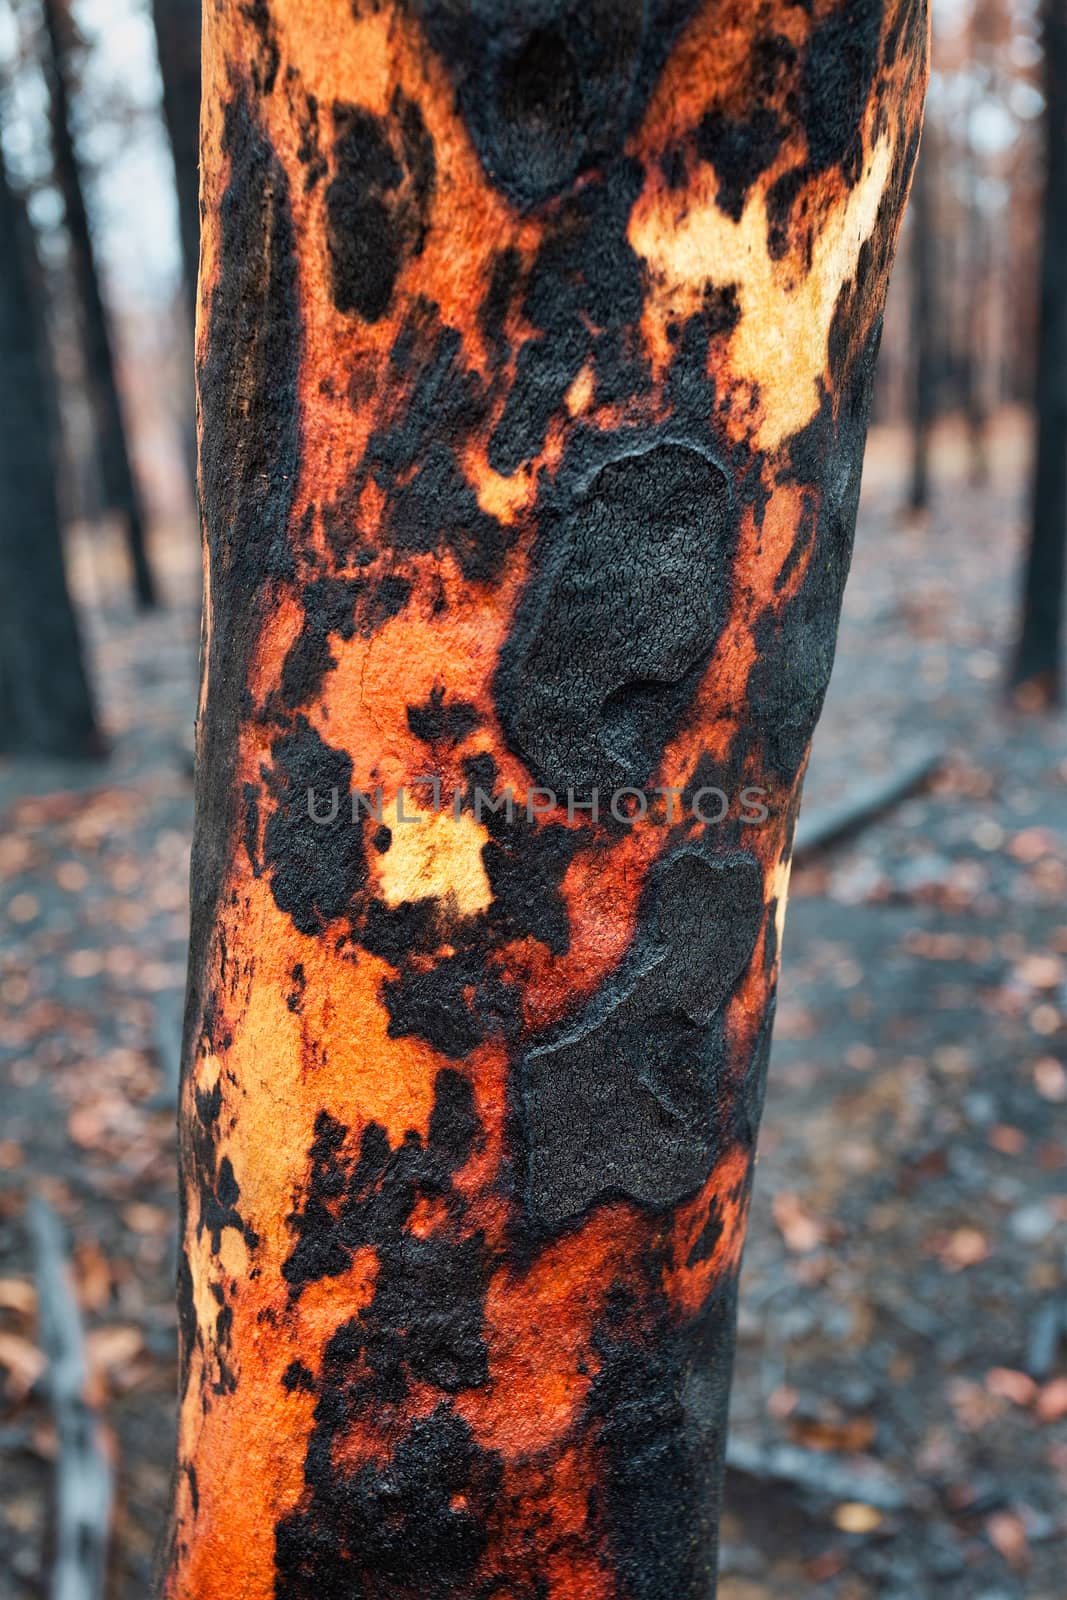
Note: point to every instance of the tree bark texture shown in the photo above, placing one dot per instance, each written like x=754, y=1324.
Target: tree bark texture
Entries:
x=177, y=28
x=119, y=483
x=535, y=348
x=1039, y=656
x=45, y=704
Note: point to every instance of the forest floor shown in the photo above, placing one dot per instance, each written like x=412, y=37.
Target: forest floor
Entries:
x=900, y=1412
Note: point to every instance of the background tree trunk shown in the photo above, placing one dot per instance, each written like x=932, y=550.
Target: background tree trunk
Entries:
x=119, y=482
x=1038, y=662
x=923, y=326
x=978, y=267
x=45, y=704
x=535, y=361
x=177, y=25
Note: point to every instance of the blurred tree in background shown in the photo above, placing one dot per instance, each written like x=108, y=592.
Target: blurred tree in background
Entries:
x=119, y=482
x=177, y=25
x=1038, y=666
x=923, y=319
x=45, y=705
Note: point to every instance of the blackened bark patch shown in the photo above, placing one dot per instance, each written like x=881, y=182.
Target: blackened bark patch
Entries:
x=297, y=1378
x=627, y=1099
x=267, y=59
x=188, y=1327
x=585, y=277
x=457, y=1000
x=613, y=631
x=754, y=1087
x=396, y=932
x=316, y=867
x=722, y=309
x=329, y=607
x=493, y=311
x=551, y=87
x=832, y=90
x=439, y=722
x=219, y=1204
x=703, y=1246
x=836, y=77
x=217, y=1187
x=249, y=462
x=796, y=639
x=525, y=866
x=455, y=1003
x=415, y=1525
x=740, y=152
x=413, y=457
x=439, y=504
x=659, y=1403
x=377, y=205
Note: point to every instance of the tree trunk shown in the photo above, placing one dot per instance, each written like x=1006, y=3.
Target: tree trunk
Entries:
x=119, y=483
x=45, y=705
x=1038, y=665
x=978, y=269
x=535, y=355
x=924, y=357
x=177, y=25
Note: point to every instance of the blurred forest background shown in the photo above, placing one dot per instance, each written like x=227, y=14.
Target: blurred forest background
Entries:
x=900, y=1415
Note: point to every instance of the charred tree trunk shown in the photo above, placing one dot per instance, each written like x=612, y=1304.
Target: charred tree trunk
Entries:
x=120, y=486
x=535, y=359
x=923, y=335
x=177, y=26
x=45, y=705
x=1038, y=665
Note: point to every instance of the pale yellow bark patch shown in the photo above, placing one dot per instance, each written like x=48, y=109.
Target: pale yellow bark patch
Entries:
x=781, y=339
x=438, y=857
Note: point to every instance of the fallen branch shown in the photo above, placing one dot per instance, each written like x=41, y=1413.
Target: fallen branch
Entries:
x=83, y=1471
x=817, y=829
x=833, y=1477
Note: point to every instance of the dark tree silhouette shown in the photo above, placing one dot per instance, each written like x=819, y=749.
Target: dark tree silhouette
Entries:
x=120, y=486
x=1037, y=670
x=177, y=25
x=45, y=703
x=923, y=329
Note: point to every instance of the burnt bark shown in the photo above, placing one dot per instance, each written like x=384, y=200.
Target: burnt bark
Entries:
x=120, y=486
x=1038, y=662
x=45, y=704
x=529, y=463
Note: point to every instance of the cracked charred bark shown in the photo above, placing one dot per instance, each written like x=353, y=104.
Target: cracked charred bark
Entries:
x=535, y=349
